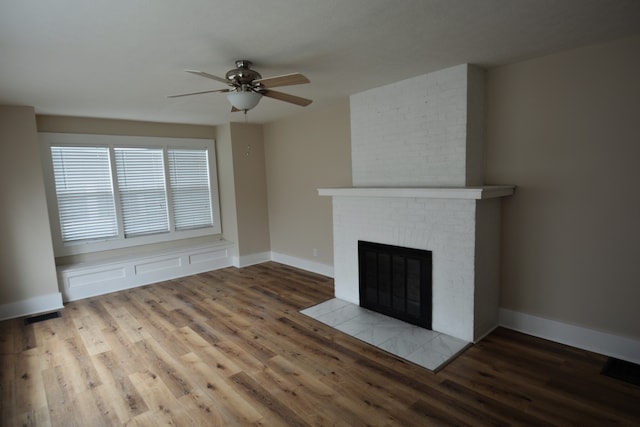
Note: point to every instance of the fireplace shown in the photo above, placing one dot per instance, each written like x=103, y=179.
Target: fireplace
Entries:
x=417, y=174
x=396, y=281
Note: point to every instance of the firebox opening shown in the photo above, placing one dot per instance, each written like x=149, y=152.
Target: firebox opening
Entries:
x=396, y=281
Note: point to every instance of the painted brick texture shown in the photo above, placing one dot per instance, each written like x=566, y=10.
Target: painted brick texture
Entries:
x=415, y=132
x=426, y=131
x=444, y=226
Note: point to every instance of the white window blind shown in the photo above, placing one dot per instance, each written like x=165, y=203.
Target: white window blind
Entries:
x=190, y=188
x=141, y=184
x=84, y=192
x=106, y=192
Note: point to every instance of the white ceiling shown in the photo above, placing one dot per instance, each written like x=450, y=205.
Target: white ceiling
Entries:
x=121, y=58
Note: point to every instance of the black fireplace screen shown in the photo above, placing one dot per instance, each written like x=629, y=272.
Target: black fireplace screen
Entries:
x=396, y=282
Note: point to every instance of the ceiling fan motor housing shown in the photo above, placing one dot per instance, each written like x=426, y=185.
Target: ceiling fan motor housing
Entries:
x=242, y=75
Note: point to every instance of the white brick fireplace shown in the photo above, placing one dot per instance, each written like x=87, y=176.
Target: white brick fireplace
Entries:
x=417, y=174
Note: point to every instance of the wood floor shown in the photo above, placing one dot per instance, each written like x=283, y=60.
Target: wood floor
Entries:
x=229, y=348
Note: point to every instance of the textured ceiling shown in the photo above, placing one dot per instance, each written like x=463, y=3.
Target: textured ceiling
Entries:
x=121, y=58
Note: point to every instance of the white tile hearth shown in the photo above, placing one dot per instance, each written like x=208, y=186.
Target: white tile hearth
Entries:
x=424, y=347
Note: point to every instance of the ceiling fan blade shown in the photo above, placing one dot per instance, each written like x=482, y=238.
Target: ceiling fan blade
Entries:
x=283, y=80
x=198, y=93
x=303, y=102
x=209, y=76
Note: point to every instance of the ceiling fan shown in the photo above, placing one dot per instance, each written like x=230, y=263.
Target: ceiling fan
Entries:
x=247, y=86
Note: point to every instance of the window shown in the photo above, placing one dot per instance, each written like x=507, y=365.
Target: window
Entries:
x=189, y=180
x=107, y=192
x=143, y=196
x=85, y=194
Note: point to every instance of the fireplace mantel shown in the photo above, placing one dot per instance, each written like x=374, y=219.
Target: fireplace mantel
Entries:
x=473, y=193
x=459, y=225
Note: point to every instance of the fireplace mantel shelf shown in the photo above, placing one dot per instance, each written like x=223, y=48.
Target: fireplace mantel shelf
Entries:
x=477, y=193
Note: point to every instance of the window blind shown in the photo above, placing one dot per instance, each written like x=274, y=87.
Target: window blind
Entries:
x=141, y=185
x=84, y=192
x=115, y=191
x=190, y=188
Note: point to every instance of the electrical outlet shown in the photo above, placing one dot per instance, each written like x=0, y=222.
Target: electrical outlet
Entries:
x=315, y=251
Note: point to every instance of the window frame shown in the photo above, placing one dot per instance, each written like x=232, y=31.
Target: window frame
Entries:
x=48, y=139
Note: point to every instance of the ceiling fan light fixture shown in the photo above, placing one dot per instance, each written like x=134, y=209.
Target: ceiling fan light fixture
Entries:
x=244, y=101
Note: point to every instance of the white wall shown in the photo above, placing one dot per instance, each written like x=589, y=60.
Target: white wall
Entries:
x=565, y=129
x=28, y=282
x=250, y=193
x=302, y=153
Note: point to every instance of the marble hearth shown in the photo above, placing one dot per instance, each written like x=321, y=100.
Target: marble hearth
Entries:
x=426, y=348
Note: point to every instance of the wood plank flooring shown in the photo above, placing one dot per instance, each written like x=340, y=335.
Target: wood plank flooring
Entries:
x=229, y=348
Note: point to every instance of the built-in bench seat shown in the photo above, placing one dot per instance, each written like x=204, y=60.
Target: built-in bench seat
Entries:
x=87, y=279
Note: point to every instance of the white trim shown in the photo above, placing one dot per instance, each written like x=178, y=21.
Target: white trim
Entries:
x=85, y=280
x=575, y=336
x=47, y=139
x=247, y=260
x=29, y=306
x=304, y=264
x=474, y=193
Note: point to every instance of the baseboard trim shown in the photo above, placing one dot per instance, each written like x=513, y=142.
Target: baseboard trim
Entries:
x=574, y=336
x=31, y=306
x=303, y=264
x=247, y=260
